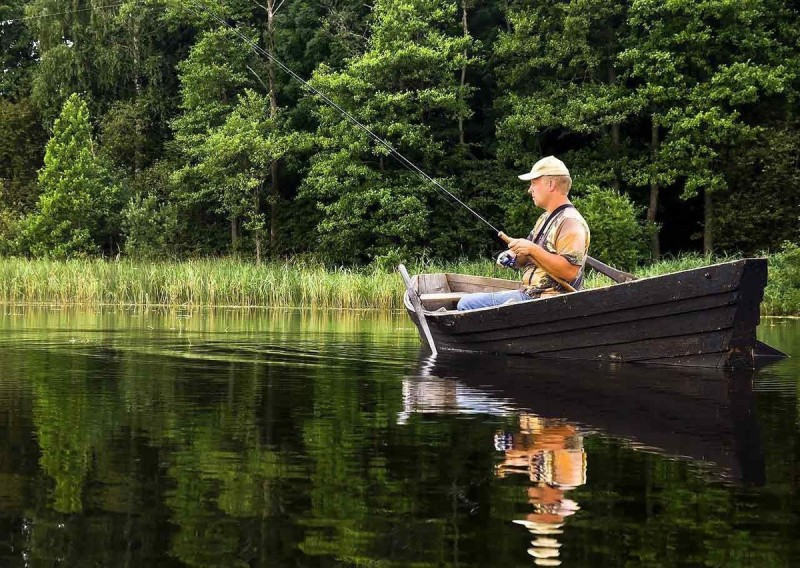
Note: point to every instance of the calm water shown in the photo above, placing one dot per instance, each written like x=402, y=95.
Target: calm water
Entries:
x=234, y=438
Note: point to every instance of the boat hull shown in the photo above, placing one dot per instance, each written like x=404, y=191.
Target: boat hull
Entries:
x=704, y=317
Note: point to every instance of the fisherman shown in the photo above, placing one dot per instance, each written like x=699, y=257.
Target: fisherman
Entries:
x=556, y=248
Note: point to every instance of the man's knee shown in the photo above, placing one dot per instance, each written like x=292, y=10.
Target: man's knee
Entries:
x=464, y=303
x=472, y=301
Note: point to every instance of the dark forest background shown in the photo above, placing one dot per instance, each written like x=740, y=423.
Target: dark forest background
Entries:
x=150, y=128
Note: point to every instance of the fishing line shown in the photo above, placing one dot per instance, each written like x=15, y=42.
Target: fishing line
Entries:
x=397, y=155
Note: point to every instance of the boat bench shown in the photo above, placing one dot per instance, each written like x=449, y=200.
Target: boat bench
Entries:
x=446, y=300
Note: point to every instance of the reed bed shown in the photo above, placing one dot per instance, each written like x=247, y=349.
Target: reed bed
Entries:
x=235, y=283
x=194, y=283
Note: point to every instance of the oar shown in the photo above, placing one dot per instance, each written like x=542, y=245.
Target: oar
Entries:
x=417, y=303
x=617, y=276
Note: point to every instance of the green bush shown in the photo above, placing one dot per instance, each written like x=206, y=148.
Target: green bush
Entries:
x=9, y=225
x=149, y=227
x=782, y=296
x=619, y=237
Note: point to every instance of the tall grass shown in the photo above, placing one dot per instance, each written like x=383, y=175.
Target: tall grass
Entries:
x=230, y=282
x=195, y=283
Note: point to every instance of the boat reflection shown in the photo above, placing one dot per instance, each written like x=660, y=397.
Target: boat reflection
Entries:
x=703, y=415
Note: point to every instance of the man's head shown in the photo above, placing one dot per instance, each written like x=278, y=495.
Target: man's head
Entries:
x=547, y=176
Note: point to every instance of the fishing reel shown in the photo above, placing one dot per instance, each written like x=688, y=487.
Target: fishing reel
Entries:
x=507, y=259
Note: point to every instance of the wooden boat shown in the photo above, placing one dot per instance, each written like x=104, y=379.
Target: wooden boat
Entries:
x=704, y=317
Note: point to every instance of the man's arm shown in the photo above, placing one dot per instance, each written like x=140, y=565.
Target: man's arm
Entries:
x=571, y=242
x=522, y=260
x=554, y=264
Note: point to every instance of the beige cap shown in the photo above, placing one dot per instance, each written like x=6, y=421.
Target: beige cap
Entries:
x=549, y=166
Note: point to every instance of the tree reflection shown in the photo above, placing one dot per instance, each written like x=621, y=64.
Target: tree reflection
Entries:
x=177, y=449
x=73, y=415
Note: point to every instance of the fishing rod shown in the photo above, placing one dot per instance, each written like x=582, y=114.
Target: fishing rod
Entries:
x=411, y=166
x=613, y=273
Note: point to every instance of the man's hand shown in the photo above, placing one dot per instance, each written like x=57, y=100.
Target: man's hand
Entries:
x=554, y=264
x=522, y=247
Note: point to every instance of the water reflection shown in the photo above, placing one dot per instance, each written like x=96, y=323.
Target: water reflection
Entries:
x=699, y=416
x=685, y=413
x=283, y=439
x=550, y=453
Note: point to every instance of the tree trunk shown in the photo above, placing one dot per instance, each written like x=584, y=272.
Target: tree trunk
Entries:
x=615, y=134
x=708, y=223
x=655, y=245
x=234, y=234
x=137, y=58
x=257, y=208
x=273, y=114
x=273, y=210
x=463, y=68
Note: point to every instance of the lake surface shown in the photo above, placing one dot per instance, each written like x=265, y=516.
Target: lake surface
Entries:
x=293, y=438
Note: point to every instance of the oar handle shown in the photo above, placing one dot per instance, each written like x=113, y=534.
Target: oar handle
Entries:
x=616, y=275
x=563, y=283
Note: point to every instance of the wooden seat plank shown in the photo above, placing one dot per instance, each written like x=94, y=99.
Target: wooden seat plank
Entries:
x=438, y=300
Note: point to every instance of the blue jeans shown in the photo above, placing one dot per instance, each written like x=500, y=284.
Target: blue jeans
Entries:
x=487, y=299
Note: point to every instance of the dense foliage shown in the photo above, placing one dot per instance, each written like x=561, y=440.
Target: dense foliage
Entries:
x=172, y=132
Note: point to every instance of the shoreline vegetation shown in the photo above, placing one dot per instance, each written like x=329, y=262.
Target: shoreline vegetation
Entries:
x=229, y=282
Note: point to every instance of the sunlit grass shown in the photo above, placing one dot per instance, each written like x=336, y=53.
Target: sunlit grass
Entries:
x=212, y=282
x=231, y=282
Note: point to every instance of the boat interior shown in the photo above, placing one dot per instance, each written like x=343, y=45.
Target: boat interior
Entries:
x=444, y=289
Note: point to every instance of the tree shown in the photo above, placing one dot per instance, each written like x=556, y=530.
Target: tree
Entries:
x=151, y=223
x=618, y=234
x=21, y=148
x=77, y=198
x=763, y=177
x=239, y=159
x=21, y=144
x=406, y=88
x=211, y=78
x=698, y=67
x=562, y=89
x=17, y=53
x=124, y=139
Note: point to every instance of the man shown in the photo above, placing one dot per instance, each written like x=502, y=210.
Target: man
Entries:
x=556, y=249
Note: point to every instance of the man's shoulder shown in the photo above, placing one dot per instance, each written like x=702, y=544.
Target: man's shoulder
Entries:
x=573, y=214
x=539, y=220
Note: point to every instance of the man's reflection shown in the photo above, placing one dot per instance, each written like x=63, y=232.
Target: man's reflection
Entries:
x=550, y=452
